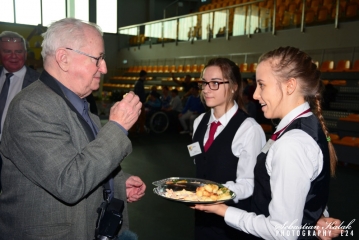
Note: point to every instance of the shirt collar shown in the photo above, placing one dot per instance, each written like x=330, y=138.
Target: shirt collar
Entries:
x=20, y=74
x=75, y=100
x=226, y=117
x=293, y=114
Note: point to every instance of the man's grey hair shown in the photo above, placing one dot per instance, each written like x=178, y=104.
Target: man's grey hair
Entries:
x=11, y=34
x=67, y=32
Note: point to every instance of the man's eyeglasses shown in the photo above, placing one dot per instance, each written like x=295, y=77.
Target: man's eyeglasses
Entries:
x=213, y=85
x=101, y=57
x=11, y=39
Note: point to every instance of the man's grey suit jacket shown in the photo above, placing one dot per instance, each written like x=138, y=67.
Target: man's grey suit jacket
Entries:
x=30, y=76
x=53, y=173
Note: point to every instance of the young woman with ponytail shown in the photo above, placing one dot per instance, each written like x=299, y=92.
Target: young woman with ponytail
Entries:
x=293, y=170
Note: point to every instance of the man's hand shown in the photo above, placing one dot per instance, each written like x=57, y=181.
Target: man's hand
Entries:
x=329, y=227
x=126, y=111
x=219, y=209
x=135, y=188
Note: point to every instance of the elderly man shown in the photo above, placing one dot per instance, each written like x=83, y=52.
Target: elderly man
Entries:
x=59, y=164
x=14, y=76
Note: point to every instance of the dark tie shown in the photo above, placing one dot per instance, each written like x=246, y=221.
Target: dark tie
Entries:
x=3, y=94
x=212, y=131
x=86, y=116
x=109, y=186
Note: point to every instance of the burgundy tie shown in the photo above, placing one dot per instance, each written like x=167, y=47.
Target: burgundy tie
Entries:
x=212, y=131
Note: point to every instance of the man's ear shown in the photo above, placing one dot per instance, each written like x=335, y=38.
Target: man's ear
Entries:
x=291, y=85
x=62, y=59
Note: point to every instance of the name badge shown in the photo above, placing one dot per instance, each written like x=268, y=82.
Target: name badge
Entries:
x=194, y=149
x=267, y=146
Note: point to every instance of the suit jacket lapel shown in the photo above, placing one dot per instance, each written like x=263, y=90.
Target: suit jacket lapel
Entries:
x=49, y=81
x=28, y=78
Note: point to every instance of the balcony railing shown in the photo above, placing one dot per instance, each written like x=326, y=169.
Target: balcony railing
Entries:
x=228, y=19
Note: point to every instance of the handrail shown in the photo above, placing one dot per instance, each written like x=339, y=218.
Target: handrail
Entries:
x=189, y=15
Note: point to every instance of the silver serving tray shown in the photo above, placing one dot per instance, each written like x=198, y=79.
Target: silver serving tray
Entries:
x=189, y=184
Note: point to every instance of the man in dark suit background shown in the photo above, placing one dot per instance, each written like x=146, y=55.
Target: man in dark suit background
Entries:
x=57, y=159
x=13, y=56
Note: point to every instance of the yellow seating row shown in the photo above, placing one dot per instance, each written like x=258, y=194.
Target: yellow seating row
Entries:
x=188, y=68
x=347, y=141
x=342, y=66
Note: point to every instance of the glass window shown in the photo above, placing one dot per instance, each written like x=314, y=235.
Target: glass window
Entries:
x=52, y=10
x=78, y=9
x=7, y=11
x=106, y=15
x=187, y=28
x=207, y=27
x=28, y=12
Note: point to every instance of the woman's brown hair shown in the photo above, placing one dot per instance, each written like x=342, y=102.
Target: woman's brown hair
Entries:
x=290, y=62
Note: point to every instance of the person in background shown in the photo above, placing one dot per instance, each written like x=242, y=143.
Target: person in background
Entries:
x=191, y=110
x=186, y=85
x=174, y=109
x=60, y=165
x=139, y=90
x=293, y=169
x=231, y=157
x=14, y=75
x=153, y=104
x=165, y=97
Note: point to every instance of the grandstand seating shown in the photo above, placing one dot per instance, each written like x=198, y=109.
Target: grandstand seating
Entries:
x=327, y=66
x=343, y=65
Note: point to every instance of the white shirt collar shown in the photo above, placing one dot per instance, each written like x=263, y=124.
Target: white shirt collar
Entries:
x=226, y=117
x=293, y=114
x=20, y=74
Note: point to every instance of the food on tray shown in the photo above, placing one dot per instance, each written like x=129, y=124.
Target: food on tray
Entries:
x=176, y=181
x=206, y=193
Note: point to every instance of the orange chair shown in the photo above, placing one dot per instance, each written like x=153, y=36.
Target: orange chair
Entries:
x=314, y=5
x=292, y=8
x=349, y=141
x=333, y=137
x=297, y=18
x=327, y=66
x=355, y=67
x=343, y=65
x=201, y=68
x=338, y=82
x=323, y=14
x=252, y=67
x=194, y=68
x=243, y=67
x=131, y=69
x=166, y=69
x=328, y=4
x=309, y=16
x=160, y=69
x=149, y=69
x=180, y=68
x=351, y=118
x=187, y=68
x=173, y=68
x=351, y=10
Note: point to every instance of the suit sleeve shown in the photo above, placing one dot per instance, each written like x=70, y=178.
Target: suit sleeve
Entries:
x=52, y=149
